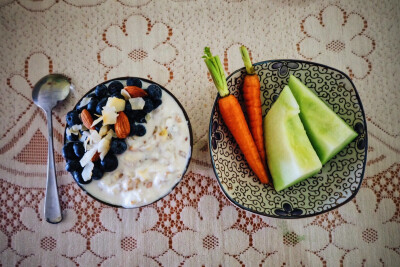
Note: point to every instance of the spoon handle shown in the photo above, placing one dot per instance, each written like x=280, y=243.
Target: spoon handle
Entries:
x=52, y=209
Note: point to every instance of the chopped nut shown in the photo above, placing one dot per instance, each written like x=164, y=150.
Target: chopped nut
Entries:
x=155, y=130
x=133, y=184
x=178, y=118
x=182, y=154
x=149, y=184
x=164, y=132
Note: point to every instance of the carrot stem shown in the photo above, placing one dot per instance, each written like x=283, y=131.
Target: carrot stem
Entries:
x=217, y=72
x=246, y=60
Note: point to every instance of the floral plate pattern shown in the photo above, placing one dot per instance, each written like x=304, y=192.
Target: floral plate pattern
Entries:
x=340, y=178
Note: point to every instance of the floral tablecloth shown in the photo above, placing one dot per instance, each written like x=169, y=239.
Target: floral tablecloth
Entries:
x=94, y=40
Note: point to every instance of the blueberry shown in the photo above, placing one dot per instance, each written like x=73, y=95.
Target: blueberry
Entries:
x=148, y=106
x=139, y=130
x=115, y=87
x=73, y=137
x=98, y=126
x=128, y=106
x=154, y=91
x=79, y=149
x=136, y=116
x=101, y=91
x=118, y=95
x=134, y=82
x=73, y=165
x=130, y=114
x=132, y=128
x=110, y=162
x=100, y=105
x=73, y=118
x=78, y=177
x=156, y=103
x=68, y=151
x=118, y=146
x=97, y=172
x=91, y=107
x=142, y=119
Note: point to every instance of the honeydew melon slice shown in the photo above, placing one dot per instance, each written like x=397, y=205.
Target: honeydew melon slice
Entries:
x=290, y=155
x=327, y=132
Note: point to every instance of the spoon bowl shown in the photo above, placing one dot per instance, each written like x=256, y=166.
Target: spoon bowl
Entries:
x=50, y=90
x=46, y=94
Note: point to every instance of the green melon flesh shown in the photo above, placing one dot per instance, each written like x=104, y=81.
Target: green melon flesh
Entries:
x=290, y=155
x=328, y=133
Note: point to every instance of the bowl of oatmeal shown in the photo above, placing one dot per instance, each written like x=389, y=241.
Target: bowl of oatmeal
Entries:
x=128, y=142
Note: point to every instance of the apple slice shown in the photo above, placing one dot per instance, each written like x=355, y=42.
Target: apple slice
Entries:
x=290, y=155
x=328, y=133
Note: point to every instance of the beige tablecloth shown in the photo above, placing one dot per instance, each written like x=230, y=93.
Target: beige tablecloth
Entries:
x=94, y=40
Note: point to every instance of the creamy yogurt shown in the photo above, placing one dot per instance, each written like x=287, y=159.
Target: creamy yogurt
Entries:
x=153, y=164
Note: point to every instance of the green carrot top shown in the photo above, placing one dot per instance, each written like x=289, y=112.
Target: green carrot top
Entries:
x=246, y=60
x=217, y=72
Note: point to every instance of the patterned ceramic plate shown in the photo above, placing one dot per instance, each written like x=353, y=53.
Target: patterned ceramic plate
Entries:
x=123, y=80
x=340, y=178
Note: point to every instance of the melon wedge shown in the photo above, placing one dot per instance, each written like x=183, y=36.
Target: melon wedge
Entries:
x=290, y=155
x=327, y=132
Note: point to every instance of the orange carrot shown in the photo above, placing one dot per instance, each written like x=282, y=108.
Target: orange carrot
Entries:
x=233, y=117
x=251, y=95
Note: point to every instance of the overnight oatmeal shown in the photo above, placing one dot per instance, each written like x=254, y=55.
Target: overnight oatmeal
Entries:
x=128, y=144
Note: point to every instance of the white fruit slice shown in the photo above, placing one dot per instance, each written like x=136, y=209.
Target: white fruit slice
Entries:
x=96, y=121
x=88, y=156
x=117, y=103
x=104, y=145
x=103, y=130
x=87, y=171
x=125, y=94
x=84, y=101
x=109, y=115
x=137, y=103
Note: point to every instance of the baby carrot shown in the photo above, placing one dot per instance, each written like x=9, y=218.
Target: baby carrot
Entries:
x=251, y=95
x=233, y=117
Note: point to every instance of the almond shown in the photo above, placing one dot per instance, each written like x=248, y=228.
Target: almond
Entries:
x=87, y=119
x=135, y=91
x=122, y=126
x=96, y=157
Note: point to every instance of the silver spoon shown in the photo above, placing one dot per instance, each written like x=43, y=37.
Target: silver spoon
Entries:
x=46, y=94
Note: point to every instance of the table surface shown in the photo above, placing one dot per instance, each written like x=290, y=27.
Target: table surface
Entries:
x=94, y=40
